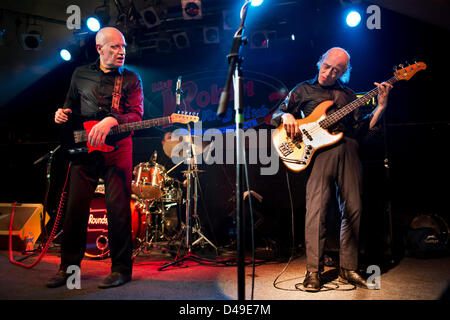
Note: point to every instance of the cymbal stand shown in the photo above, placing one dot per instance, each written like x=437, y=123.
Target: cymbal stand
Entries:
x=148, y=242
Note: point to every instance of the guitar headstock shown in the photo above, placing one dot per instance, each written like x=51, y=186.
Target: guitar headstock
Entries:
x=185, y=117
x=406, y=73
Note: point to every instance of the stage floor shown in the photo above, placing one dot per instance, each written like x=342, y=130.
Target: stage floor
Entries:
x=409, y=279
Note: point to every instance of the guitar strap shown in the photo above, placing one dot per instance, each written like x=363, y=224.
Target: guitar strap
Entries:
x=117, y=93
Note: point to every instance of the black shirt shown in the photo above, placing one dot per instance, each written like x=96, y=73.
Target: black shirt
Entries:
x=90, y=94
x=305, y=97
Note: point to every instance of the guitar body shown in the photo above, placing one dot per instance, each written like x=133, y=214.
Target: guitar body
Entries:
x=103, y=148
x=297, y=154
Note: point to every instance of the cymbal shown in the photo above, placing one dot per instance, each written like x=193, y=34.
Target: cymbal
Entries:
x=169, y=145
x=193, y=170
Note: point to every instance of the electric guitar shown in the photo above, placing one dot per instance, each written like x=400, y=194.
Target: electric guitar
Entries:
x=76, y=141
x=297, y=153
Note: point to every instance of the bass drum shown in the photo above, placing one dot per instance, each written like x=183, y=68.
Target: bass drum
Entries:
x=139, y=222
x=97, y=244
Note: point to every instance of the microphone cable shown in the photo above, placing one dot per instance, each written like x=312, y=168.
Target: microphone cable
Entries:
x=292, y=231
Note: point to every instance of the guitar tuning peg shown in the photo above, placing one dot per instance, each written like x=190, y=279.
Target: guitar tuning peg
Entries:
x=406, y=63
x=395, y=68
x=401, y=66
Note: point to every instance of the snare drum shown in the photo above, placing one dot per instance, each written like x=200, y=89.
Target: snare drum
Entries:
x=148, y=180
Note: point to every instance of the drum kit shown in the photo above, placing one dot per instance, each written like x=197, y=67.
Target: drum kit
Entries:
x=155, y=205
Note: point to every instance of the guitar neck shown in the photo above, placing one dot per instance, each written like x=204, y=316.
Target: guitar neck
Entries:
x=128, y=127
x=81, y=135
x=342, y=112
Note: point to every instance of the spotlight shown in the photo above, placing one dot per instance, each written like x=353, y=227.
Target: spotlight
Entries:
x=31, y=40
x=181, y=40
x=211, y=35
x=93, y=24
x=192, y=9
x=65, y=54
x=353, y=18
x=150, y=17
x=256, y=3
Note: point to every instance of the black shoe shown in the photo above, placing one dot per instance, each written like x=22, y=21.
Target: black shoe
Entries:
x=115, y=279
x=59, y=280
x=350, y=276
x=312, y=281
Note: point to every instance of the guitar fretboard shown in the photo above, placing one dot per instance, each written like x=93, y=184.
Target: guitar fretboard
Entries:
x=81, y=135
x=342, y=112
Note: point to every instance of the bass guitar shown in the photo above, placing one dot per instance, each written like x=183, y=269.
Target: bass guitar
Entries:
x=297, y=153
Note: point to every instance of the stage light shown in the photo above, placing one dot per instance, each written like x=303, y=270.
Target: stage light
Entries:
x=192, y=9
x=93, y=24
x=293, y=37
x=181, y=40
x=353, y=19
x=211, y=35
x=65, y=54
x=150, y=17
x=256, y=3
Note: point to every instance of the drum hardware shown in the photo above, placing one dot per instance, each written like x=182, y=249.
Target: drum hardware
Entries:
x=148, y=239
x=187, y=229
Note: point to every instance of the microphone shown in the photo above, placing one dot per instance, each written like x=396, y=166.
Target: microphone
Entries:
x=178, y=91
x=154, y=156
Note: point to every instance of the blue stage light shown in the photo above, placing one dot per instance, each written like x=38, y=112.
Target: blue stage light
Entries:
x=353, y=19
x=257, y=3
x=65, y=54
x=93, y=24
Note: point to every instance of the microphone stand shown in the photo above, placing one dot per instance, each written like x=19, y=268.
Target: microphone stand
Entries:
x=235, y=73
x=191, y=173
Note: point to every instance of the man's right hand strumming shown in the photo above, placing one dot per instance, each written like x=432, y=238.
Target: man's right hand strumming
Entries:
x=290, y=125
x=61, y=115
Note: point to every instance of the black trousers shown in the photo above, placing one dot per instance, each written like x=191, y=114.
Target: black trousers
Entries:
x=116, y=170
x=337, y=169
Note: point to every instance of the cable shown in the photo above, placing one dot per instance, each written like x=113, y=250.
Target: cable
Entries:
x=292, y=231
x=52, y=234
x=299, y=286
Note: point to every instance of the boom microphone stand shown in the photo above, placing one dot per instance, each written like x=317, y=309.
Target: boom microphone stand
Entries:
x=235, y=73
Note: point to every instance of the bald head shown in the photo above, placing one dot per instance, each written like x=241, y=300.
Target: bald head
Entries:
x=110, y=44
x=106, y=35
x=334, y=64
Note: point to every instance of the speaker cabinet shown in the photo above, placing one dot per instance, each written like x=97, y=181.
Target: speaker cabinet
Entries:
x=26, y=225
